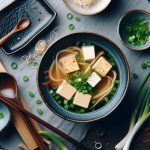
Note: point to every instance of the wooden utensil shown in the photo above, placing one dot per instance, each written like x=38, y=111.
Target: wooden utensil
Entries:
x=7, y=100
x=9, y=90
x=23, y=24
x=20, y=124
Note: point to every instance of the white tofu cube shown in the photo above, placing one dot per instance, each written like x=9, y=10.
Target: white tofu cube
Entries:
x=102, y=66
x=69, y=63
x=66, y=90
x=82, y=100
x=94, y=79
x=88, y=52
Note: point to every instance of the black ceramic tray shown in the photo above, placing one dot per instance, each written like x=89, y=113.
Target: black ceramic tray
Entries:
x=40, y=13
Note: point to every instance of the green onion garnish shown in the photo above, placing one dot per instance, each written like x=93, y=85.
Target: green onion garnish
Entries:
x=39, y=111
x=25, y=78
x=38, y=101
x=77, y=19
x=69, y=16
x=143, y=65
x=14, y=65
x=135, y=76
x=71, y=26
x=31, y=94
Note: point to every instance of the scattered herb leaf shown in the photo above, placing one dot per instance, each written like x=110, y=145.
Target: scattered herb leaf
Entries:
x=31, y=94
x=14, y=65
x=135, y=76
x=71, y=26
x=69, y=16
x=35, y=63
x=77, y=19
x=40, y=111
x=25, y=78
x=143, y=65
x=137, y=31
x=38, y=101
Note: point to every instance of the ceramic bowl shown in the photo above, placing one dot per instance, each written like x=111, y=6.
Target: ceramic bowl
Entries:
x=105, y=44
x=7, y=116
x=96, y=8
x=125, y=19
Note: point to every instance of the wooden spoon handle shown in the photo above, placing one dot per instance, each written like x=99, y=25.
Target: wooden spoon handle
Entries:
x=57, y=131
x=6, y=37
x=33, y=131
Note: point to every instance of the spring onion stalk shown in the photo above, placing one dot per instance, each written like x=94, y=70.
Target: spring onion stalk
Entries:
x=140, y=114
x=49, y=135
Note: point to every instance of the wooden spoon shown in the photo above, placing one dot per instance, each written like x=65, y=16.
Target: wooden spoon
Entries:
x=23, y=24
x=9, y=89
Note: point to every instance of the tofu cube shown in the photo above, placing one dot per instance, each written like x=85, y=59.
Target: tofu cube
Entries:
x=94, y=79
x=102, y=66
x=82, y=100
x=69, y=63
x=66, y=90
x=88, y=52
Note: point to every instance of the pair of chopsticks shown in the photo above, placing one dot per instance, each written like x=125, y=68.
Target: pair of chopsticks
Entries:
x=57, y=131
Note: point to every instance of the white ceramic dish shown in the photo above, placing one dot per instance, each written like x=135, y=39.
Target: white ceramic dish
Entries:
x=96, y=8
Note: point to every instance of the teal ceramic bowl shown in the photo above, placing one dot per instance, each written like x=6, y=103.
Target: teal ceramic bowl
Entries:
x=6, y=118
x=125, y=19
x=105, y=44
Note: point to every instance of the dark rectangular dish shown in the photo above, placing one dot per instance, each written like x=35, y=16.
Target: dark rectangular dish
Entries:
x=40, y=13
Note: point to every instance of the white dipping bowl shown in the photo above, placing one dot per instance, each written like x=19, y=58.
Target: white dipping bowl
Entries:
x=96, y=8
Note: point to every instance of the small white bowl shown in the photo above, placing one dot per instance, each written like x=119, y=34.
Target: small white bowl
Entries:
x=96, y=8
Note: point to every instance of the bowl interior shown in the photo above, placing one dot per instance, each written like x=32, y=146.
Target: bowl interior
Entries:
x=94, y=9
x=124, y=22
x=5, y=120
x=69, y=41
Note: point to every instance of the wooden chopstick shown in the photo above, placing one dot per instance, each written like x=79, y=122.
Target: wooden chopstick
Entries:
x=62, y=134
x=33, y=131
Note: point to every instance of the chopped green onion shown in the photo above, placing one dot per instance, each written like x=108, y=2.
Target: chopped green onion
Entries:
x=14, y=65
x=39, y=111
x=65, y=102
x=77, y=19
x=31, y=94
x=94, y=102
x=69, y=16
x=71, y=26
x=35, y=63
x=143, y=65
x=59, y=102
x=71, y=105
x=135, y=76
x=66, y=107
x=106, y=99
x=57, y=97
x=1, y=115
x=25, y=78
x=82, y=110
x=38, y=101
x=117, y=81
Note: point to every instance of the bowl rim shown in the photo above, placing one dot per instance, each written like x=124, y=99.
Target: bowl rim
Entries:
x=119, y=23
x=84, y=14
x=124, y=91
